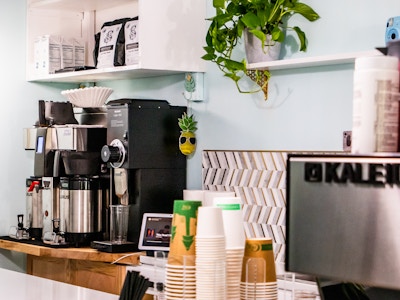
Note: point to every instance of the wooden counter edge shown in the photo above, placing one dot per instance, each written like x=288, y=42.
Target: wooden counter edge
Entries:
x=129, y=258
x=20, y=247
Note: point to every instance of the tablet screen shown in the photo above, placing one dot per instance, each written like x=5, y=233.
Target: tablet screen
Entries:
x=155, y=232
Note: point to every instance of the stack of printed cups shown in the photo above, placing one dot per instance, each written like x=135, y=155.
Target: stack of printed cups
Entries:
x=180, y=280
x=258, y=272
x=235, y=239
x=210, y=255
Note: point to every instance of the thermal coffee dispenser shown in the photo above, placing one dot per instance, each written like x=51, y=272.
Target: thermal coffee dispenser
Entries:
x=148, y=170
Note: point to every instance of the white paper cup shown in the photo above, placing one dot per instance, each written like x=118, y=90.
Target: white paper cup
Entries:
x=209, y=222
x=197, y=195
x=210, y=195
x=232, y=216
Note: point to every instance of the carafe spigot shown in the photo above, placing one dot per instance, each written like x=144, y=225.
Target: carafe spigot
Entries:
x=19, y=232
x=20, y=222
x=56, y=225
x=59, y=237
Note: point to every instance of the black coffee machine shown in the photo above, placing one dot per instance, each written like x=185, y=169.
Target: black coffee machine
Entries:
x=149, y=171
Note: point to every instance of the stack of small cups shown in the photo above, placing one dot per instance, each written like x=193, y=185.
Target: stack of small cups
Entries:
x=258, y=271
x=180, y=281
x=232, y=216
x=210, y=255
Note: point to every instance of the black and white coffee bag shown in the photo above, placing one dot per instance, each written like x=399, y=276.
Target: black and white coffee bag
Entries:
x=111, y=44
x=132, y=42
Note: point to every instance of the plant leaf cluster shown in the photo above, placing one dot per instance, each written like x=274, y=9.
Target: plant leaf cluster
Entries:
x=187, y=123
x=261, y=18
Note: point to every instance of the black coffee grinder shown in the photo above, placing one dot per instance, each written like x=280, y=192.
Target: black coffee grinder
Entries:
x=148, y=169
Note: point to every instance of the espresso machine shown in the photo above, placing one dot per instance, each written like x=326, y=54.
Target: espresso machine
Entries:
x=73, y=180
x=147, y=169
x=343, y=222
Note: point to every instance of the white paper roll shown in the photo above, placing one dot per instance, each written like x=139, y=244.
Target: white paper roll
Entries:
x=210, y=195
x=193, y=195
x=375, y=105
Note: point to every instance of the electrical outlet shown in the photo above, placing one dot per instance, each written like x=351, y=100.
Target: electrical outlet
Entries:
x=194, y=86
x=347, y=141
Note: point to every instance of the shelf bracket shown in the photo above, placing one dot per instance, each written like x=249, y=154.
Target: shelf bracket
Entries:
x=194, y=87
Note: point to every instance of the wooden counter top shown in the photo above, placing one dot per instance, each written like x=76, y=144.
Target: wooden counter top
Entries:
x=84, y=253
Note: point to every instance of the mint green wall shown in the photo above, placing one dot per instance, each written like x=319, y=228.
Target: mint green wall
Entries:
x=307, y=109
x=18, y=110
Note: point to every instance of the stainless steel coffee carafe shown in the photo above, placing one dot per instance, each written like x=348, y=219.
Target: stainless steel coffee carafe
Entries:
x=81, y=201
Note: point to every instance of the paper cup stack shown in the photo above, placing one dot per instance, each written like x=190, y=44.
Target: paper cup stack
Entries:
x=210, y=255
x=258, y=271
x=210, y=195
x=235, y=239
x=180, y=282
x=197, y=195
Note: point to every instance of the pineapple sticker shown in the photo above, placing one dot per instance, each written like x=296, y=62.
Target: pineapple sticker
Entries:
x=187, y=139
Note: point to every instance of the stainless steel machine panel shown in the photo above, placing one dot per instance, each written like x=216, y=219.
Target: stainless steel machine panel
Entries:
x=50, y=202
x=343, y=218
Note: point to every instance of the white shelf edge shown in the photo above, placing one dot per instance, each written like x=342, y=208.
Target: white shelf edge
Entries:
x=74, y=5
x=305, y=62
x=107, y=74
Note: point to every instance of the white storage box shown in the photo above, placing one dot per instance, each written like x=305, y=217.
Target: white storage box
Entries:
x=52, y=52
x=47, y=54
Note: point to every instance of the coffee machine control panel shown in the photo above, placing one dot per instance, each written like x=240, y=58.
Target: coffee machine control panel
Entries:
x=114, y=153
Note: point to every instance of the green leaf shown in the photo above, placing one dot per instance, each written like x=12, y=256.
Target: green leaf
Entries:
x=208, y=57
x=277, y=34
x=302, y=38
x=260, y=35
x=251, y=20
x=306, y=11
x=209, y=49
x=235, y=65
x=233, y=76
x=219, y=3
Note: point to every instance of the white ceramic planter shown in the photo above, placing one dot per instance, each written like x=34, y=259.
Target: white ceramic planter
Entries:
x=254, y=51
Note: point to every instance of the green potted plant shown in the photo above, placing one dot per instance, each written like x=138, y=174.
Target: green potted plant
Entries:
x=265, y=19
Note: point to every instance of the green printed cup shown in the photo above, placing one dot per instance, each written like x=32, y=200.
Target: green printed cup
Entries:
x=184, y=224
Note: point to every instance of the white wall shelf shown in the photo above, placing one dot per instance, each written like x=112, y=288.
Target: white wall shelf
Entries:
x=75, y=5
x=316, y=61
x=166, y=41
x=108, y=74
